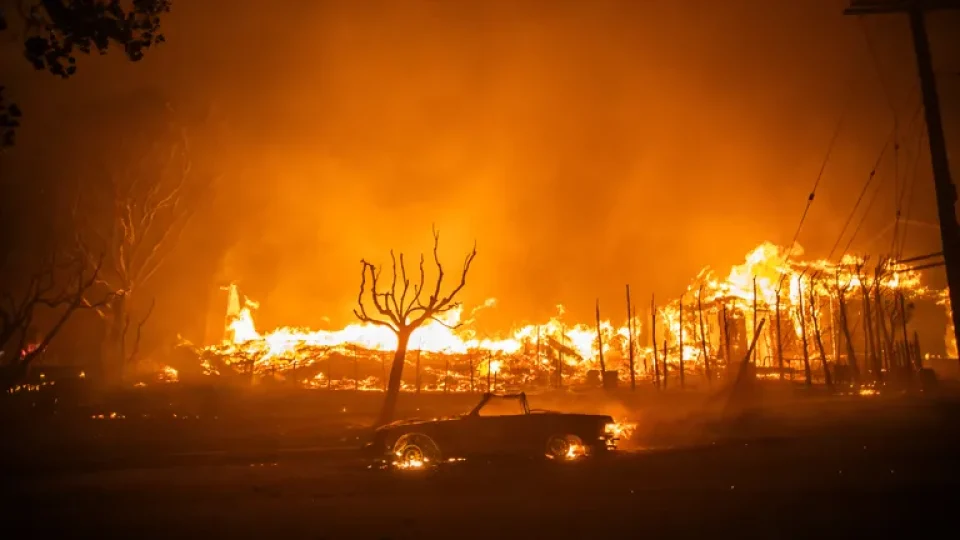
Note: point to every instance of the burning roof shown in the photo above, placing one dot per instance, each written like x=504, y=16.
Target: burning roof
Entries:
x=772, y=283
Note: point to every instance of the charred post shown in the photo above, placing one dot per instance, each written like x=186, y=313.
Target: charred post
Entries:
x=653, y=340
x=779, y=336
x=726, y=335
x=646, y=367
x=603, y=367
x=666, y=363
x=803, y=338
x=752, y=336
x=680, y=341
x=703, y=337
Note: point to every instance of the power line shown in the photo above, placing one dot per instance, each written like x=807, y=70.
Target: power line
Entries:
x=908, y=182
x=863, y=191
x=863, y=218
x=906, y=223
x=823, y=166
x=866, y=186
x=875, y=60
x=899, y=191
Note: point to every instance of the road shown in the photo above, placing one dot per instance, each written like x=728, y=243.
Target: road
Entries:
x=857, y=484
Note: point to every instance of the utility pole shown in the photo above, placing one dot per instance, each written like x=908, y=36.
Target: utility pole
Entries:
x=944, y=187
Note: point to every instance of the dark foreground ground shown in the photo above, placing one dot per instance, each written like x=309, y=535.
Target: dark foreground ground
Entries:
x=887, y=470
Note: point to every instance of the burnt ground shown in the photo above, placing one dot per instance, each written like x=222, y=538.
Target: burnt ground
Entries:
x=886, y=468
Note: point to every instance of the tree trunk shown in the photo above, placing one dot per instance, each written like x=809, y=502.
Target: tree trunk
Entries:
x=603, y=366
x=903, y=329
x=653, y=339
x=868, y=334
x=884, y=334
x=396, y=373
x=847, y=338
x=680, y=341
x=803, y=335
x=703, y=337
x=754, y=333
x=779, y=334
x=112, y=355
x=819, y=338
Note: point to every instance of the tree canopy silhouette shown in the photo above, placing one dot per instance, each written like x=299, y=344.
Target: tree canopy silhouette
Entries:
x=56, y=31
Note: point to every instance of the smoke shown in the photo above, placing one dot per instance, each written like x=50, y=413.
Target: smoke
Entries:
x=583, y=145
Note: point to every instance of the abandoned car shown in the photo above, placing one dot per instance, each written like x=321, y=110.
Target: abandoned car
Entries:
x=498, y=425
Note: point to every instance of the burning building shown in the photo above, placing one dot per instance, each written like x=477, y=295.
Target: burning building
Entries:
x=809, y=319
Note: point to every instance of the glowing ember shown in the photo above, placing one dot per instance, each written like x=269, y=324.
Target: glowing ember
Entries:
x=575, y=451
x=168, y=374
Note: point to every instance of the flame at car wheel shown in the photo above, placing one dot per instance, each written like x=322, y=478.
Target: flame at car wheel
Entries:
x=415, y=451
x=565, y=447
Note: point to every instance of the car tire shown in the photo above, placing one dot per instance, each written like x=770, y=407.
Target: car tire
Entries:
x=413, y=451
x=564, y=447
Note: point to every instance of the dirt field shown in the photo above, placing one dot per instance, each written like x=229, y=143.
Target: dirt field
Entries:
x=868, y=468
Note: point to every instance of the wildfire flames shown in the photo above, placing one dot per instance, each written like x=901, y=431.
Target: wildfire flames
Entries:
x=714, y=319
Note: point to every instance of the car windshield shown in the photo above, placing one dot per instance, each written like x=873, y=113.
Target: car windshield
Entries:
x=501, y=406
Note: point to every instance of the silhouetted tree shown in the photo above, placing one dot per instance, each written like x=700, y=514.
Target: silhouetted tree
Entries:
x=135, y=216
x=55, y=31
x=401, y=310
x=59, y=286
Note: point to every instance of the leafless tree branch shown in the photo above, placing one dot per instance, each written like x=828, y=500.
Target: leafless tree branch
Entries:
x=150, y=213
x=136, y=342
x=41, y=290
x=395, y=310
x=361, y=311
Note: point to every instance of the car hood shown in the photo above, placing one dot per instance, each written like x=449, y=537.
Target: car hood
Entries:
x=603, y=417
x=417, y=421
x=420, y=421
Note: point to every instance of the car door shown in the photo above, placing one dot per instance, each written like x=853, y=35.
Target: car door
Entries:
x=514, y=433
x=478, y=434
x=498, y=426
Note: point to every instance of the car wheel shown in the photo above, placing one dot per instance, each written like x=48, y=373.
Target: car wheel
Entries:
x=564, y=447
x=415, y=451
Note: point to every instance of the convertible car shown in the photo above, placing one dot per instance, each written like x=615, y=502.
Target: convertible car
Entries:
x=498, y=425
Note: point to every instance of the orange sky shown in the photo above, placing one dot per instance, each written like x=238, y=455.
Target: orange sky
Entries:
x=582, y=144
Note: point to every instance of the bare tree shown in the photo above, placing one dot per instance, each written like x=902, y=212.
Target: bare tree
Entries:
x=60, y=287
x=401, y=309
x=135, y=217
